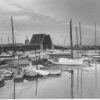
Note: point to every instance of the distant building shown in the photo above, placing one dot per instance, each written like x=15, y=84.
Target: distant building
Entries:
x=43, y=40
x=27, y=41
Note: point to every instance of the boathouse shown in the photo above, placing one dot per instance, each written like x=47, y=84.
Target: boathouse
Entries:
x=43, y=40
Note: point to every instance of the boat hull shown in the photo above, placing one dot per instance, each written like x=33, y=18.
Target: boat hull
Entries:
x=8, y=77
x=2, y=83
x=19, y=78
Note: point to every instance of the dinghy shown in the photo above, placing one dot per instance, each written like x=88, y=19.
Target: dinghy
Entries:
x=36, y=71
x=18, y=76
x=1, y=80
x=42, y=73
x=30, y=74
x=8, y=75
x=55, y=72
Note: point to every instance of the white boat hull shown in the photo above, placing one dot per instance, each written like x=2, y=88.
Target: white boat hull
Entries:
x=69, y=62
x=42, y=73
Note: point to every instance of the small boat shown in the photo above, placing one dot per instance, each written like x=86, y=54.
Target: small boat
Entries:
x=18, y=76
x=55, y=72
x=42, y=72
x=69, y=62
x=38, y=71
x=30, y=73
x=96, y=57
x=1, y=81
x=8, y=74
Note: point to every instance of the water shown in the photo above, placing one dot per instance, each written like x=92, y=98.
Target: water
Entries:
x=78, y=83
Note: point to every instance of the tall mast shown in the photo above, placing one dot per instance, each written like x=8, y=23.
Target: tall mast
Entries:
x=8, y=39
x=2, y=43
x=80, y=34
x=76, y=36
x=71, y=39
x=12, y=34
x=95, y=36
x=1, y=40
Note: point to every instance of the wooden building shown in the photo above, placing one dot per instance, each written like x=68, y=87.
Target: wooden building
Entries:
x=43, y=40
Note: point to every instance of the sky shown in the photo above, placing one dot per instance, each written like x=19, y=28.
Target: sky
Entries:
x=50, y=17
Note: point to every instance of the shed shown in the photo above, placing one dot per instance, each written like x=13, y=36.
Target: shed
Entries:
x=43, y=40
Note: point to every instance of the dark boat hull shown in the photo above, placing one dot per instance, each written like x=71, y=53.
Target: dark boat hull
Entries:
x=8, y=77
x=30, y=77
x=19, y=79
x=2, y=83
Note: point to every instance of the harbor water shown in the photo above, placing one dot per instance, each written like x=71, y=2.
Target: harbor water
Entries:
x=80, y=82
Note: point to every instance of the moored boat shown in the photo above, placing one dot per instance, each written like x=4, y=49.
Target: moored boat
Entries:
x=30, y=73
x=68, y=62
x=42, y=72
x=8, y=74
x=18, y=76
x=1, y=81
x=55, y=72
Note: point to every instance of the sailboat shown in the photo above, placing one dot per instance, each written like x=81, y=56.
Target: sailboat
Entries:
x=71, y=61
x=96, y=56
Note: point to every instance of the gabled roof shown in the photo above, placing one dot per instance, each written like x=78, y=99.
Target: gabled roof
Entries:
x=37, y=38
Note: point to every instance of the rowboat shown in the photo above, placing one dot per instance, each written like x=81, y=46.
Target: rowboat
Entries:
x=55, y=72
x=8, y=74
x=42, y=72
x=30, y=73
x=1, y=81
x=18, y=76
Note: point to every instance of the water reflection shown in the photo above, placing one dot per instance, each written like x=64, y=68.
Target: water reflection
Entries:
x=72, y=83
x=96, y=76
x=14, y=93
x=81, y=83
x=36, y=87
x=78, y=81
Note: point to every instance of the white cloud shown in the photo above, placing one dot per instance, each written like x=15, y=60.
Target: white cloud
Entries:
x=18, y=18
x=7, y=6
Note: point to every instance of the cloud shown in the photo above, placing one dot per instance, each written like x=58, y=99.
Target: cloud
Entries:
x=49, y=16
x=18, y=18
x=7, y=6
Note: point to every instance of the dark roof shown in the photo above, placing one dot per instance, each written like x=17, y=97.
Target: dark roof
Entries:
x=37, y=38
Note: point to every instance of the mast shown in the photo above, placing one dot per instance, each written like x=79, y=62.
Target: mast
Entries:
x=76, y=36
x=95, y=37
x=13, y=35
x=80, y=34
x=71, y=39
x=1, y=44
x=8, y=39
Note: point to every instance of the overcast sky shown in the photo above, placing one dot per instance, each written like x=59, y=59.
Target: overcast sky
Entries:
x=51, y=17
